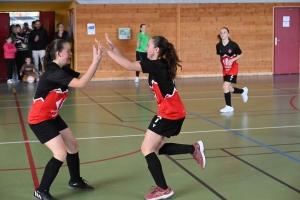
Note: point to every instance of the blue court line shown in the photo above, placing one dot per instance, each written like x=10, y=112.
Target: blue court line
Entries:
x=246, y=137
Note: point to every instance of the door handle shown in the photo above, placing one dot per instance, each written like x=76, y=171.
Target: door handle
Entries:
x=276, y=40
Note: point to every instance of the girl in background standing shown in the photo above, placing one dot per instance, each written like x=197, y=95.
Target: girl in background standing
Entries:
x=141, y=45
x=9, y=57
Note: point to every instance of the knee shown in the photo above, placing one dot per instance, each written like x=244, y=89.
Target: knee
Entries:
x=146, y=149
x=60, y=155
x=73, y=147
x=225, y=87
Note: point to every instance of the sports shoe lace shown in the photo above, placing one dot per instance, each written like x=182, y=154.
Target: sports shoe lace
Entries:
x=85, y=182
x=153, y=189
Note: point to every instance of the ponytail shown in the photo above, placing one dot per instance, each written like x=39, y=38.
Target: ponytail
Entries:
x=51, y=49
x=167, y=51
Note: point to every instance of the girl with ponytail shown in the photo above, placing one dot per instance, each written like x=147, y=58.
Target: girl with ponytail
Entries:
x=45, y=122
x=161, y=66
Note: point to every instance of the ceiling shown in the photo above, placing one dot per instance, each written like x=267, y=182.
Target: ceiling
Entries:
x=153, y=1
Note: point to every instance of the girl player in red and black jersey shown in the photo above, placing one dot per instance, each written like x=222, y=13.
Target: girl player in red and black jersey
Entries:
x=45, y=122
x=229, y=52
x=161, y=66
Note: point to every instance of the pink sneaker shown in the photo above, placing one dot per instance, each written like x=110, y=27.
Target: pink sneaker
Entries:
x=199, y=154
x=159, y=193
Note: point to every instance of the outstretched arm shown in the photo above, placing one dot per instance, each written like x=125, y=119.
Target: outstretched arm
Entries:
x=119, y=57
x=114, y=48
x=86, y=77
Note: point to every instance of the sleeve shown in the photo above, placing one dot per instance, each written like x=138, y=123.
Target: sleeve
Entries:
x=5, y=47
x=150, y=67
x=71, y=72
x=217, y=50
x=67, y=37
x=238, y=51
x=138, y=36
x=59, y=76
x=55, y=36
x=30, y=40
x=46, y=38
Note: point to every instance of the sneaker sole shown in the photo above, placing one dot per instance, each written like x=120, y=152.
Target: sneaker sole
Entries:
x=202, y=154
x=166, y=196
x=246, y=94
x=227, y=111
x=73, y=188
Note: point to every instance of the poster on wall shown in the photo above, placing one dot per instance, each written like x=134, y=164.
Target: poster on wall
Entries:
x=91, y=29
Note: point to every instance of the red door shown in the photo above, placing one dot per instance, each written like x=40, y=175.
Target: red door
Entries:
x=47, y=20
x=286, y=41
x=4, y=31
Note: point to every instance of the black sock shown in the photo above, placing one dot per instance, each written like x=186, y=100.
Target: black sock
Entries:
x=137, y=73
x=50, y=173
x=227, y=98
x=74, y=166
x=174, y=149
x=155, y=169
x=238, y=91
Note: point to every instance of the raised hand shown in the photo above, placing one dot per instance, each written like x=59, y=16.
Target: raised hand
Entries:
x=109, y=42
x=102, y=47
x=97, y=52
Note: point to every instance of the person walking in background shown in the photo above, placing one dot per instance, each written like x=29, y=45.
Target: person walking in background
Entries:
x=141, y=45
x=9, y=57
x=229, y=53
x=61, y=33
x=39, y=40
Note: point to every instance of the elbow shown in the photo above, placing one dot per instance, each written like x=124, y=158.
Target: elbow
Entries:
x=82, y=85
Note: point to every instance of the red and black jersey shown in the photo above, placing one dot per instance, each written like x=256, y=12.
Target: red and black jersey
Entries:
x=230, y=50
x=169, y=103
x=51, y=93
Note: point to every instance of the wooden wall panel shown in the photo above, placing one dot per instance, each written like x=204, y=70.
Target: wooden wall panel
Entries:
x=192, y=28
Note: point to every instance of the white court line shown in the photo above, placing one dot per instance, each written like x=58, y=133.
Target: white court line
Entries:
x=130, y=102
x=150, y=94
x=142, y=135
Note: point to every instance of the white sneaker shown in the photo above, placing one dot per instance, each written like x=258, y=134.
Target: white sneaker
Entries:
x=9, y=81
x=245, y=94
x=136, y=79
x=227, y=109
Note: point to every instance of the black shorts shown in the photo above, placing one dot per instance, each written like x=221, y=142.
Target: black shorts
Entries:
x=230, y=78
x=165, y=127
x=49, y=129
x=141, y=55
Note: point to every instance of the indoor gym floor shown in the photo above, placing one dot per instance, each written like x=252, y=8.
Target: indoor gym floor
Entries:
x=251, y=154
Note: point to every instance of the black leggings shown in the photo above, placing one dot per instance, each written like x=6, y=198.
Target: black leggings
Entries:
x=140, y=56
x=10, y=63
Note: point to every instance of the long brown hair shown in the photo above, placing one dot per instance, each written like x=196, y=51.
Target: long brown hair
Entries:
x=51, y=49
x=168, y=52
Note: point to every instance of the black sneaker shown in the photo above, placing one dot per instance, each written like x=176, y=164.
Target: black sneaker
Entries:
x=80, y=185
x=43, y=195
